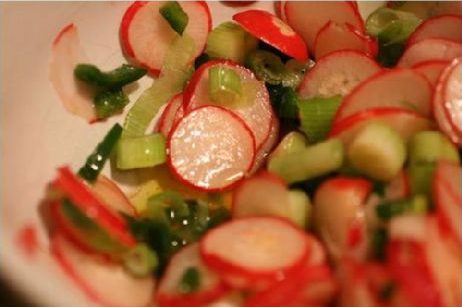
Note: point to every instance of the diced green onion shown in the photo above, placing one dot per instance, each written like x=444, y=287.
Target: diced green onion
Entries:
x=284, y=101
x=95, y=162
x=431, y=146
x=142, y=151
x=114, y=79
x=175, y=16
x=299, y=208
x=229, y=41
x=311, y=162
x=225, y=85
x=190, y=281
x=267, y=66
x=292, y=142
x=421, y=177
x=141, y=261
x=316, y=116
x=416, y=205
x=110, y=102
x=396, y=26
x=157, y=205
x=295, y=71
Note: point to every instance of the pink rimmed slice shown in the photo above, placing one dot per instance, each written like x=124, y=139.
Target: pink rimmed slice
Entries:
x=210, y=149
x=253, y=253
x=403, y=88
x=337, y=74
x=211, y=287
x=109, y=193
x=334, y=36
x=66, y=53
x=308, y=17
x=256, y=111
x=264, y=151
x=447, y=183
x=273, y=31
x=452, y=94
x=430, y=49
x=83, y=197
x=251, y=197
x=146, y=36
x=103, y=282
x=405, y=122
x=431, y=69
x=443, y=26
x=172, y=113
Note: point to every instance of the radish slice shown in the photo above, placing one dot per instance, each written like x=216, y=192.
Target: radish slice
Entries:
x=146, y=36
x=405, y=122
x=398, y=188
x=103, y=282
x=252, y=253
x=337, y=74
x=408, y=228
x=210, y=149
x=444, y=26
x=430, y=49
x=256, y=115
x=452, y=94
x=109, y=193
x=172, y=113
x=266, y=148
x=273, y=31
x=447, y=196
x=431, y=70
x=251, y=197
x=75, y=96
x=334, y=37
x=401, y=88
x=211, y=288
x=279, y=9
x=308, y=17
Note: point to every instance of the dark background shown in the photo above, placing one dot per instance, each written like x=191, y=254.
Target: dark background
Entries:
x=11, y=298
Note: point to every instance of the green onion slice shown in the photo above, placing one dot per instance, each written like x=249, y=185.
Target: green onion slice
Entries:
x=175, y=16
x=225, y=86
x=141, y=261
x=142, y=151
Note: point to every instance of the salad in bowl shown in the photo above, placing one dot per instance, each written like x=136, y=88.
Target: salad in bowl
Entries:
x=295, y=154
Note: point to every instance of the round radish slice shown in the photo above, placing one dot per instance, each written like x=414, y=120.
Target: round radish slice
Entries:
x=430, y=49
x=444, y=26
x=308, y=17
x=401, y=88
x=256, y=113
x=66, y=54
x=452, y=94
x=109, y=193
x=337, y=74
x=146, y=36
x=265, y=149
x=334, y=36
x=252, y=253
x=273, y=31
x=251, y=197
x=211, y=148
x=102, y=281
x=210, y=288
x=173, y=112
x=405, y=122
x=431, y=70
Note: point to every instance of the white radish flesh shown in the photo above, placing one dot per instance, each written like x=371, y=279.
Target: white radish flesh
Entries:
x=109, y=193
x=337, y=74
x=444, y=26
x=265, y=149
x=452, y=94
x=211, y=148
x=430, y=49
x=431, y=70
x=172, y=113
x=75, y=96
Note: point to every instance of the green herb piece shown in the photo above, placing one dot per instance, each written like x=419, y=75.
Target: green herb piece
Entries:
x=110, y=102
x=190, y=281
x=175, y=16
x=267, y=66
x=225, y=86
x=142, y=151
x=141, y=261
x=114, y=79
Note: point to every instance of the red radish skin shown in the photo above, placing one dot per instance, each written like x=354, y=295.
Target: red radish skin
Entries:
x=273, y=31
x=211, y=287
x=431, y=70
x=109, y=193
x=66, y=53
x=210, y=149
x=257, y=115
x=337, y=74
x=172, y=113
x=430, y=49
x=83, y=198
x=103, y=282
x=443, y=26
x=263, y=153
x=251, y=197
x=403, y=88
x=334, y=37
x=404, y=121
x=308, y=17
x=279, y=9
x=145, y=35
x=247, y=252
x=452, y=94
x=27, y=240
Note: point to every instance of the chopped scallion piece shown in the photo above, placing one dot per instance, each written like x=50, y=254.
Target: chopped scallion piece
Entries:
x=110, y=102
x=114, y=79
x=225, y=86
x=175, y=16
x=267, y=66
x=190, y=281
x=141, y=261
x=142, y=151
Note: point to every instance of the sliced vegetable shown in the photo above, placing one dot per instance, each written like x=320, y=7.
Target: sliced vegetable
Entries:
x=427, y=9
x=230, y=42
x=316, y=115
x=273, y=31
x=196, y=147
x=109, y=193
x=225, y=85
x=416, y=205
x=175, y=16
x=292, y=142
x=442, y=26
x=144, y=192
x=430, y=49
x=337, y=74
x=431, y=146
x=264, y=151
x=420, y=178
x=142, y=151
x=110, y=102
x=398, y=188
x=114, y=79
x=267, y=66
x=172, y=113
x=452, y=94
x=431, y=69
x=96, y=160
x=141, y=261
x=299, y=208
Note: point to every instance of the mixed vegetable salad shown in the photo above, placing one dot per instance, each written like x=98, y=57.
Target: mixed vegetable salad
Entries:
x=305, y=158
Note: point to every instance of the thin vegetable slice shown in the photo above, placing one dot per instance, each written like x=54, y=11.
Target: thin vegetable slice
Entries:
x=113, y=79
x=172, y=113
x=431, y=70
x=430, y=49
x=142, y=151
x=442, y=26
x=225, y=85
x=174, y=14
